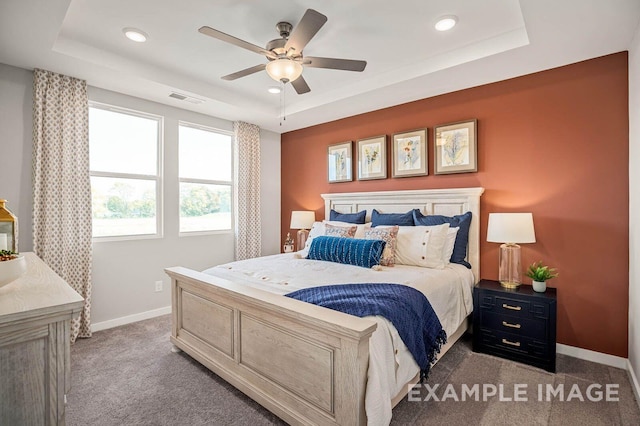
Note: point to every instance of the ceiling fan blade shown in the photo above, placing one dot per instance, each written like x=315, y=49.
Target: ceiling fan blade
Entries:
x=334, y=63
x=300, y=85
x=244, y=72
x=235, y=41
x=308, y=26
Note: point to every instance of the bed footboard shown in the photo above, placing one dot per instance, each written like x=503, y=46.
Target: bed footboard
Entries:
x=304, y=363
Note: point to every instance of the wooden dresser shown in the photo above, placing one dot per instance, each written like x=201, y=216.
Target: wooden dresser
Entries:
x=35, y=315
x=519, y=324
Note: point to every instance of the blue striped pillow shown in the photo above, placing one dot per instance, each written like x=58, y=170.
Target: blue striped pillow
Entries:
x=350, y=251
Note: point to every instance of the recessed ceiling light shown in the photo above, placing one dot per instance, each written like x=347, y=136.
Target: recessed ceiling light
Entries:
x=445, y=23
x=135, y=34
x=274, y=89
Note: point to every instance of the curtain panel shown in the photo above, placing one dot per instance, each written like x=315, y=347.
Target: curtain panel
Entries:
x=61, y=184
x=248, y=224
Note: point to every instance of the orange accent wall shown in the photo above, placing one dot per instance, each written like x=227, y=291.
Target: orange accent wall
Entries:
x=554, y=143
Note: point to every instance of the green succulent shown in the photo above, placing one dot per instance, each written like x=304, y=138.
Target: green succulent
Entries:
x=540, y=272
x=7, y=255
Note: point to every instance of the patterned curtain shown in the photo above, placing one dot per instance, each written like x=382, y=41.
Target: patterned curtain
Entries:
x=247, y=190
x=61, y=185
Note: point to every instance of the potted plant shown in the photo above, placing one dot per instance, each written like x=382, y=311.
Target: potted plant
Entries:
x=12, y=266
x=539, y=275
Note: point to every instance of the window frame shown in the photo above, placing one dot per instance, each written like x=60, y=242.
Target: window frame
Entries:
x=231, y=183
x=158, y=178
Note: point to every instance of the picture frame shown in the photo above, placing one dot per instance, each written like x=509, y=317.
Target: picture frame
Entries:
x=372, y=158
x=409, y=154
x=456, y=147
x=339, y=162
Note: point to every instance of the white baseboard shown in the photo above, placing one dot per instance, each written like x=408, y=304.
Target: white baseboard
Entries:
x=634, y=381
x=593, y=356
x=130, y=318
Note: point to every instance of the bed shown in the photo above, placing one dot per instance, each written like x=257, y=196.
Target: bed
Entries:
x=305, y=363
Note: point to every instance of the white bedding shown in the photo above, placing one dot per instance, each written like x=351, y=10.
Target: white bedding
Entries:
x=391, y=365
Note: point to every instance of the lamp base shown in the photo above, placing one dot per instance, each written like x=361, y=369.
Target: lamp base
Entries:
x=301, y=239
x=509, y=267
x=509, y=285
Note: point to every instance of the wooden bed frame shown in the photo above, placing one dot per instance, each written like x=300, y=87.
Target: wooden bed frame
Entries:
x=305, y=363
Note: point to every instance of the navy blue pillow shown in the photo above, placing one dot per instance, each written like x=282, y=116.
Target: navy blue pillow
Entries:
x=350, y=251
x=402, y=219
x=357, y=218
x=463, y=222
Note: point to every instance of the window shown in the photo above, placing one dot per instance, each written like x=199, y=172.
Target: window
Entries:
x=205, y=170
x=125, y=171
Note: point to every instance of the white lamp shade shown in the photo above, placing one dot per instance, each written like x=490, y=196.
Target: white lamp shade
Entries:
x=284, y=70
x=511, y=228
x=302, y=219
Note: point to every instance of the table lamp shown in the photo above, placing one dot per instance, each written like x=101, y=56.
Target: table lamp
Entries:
x=510, y=229
x=302, y=220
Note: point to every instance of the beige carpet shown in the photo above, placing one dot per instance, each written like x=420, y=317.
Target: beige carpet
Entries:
x=128, y=376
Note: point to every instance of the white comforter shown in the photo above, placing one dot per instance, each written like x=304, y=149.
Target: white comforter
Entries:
x=391, y=365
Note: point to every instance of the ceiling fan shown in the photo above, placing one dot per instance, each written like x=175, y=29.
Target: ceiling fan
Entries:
x=286, y=61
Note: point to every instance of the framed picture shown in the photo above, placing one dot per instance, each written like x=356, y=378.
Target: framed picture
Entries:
x=372, y=158
x=409, y=154
x=456, y=148
x=339, y=166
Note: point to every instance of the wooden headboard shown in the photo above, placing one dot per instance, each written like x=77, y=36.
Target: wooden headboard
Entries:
x=446, y=202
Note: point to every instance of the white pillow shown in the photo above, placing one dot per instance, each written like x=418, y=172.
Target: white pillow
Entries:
x=422, y=246
x=447, y=251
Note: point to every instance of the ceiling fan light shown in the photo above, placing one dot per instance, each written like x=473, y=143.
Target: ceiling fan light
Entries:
x=284, y=70
x=274, y=89
x=445, y=23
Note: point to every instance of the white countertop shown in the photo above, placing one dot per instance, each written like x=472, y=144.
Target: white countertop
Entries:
x=38, y=291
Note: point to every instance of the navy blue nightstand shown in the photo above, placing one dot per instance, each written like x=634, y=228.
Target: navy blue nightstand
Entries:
x=519, y=324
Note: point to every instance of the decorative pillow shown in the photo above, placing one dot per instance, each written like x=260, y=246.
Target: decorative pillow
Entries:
x=357, y=218
x=359, y=231
x=350, y=251
x=339, y=231
x=389, y=235
x=448, y=246
x=319, y=228
x=401, y=219
x=462, y=221
x=422, y=246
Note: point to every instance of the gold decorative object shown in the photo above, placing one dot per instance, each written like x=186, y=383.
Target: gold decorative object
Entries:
x=8, y=229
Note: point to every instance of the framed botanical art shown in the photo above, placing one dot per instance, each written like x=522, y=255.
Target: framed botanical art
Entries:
x=456, y=147
x=409, y=154
x=339, y=167
x=372, y=158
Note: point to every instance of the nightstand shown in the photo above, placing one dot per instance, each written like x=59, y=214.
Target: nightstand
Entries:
x=518, y=324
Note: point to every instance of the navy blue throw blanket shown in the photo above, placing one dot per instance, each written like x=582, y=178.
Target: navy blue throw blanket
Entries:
x=405, y=307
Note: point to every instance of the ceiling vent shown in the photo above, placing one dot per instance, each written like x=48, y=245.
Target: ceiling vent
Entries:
x=186, y=98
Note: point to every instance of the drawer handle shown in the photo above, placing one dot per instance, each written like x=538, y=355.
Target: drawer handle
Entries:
x=513, y=308
x=506, y=342
x=506, y=324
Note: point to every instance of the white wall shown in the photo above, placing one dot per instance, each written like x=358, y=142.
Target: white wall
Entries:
x=124, y=272
x=16, y=117
x=634, y=205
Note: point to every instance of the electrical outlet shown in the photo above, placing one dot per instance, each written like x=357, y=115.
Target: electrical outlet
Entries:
x=158, y=286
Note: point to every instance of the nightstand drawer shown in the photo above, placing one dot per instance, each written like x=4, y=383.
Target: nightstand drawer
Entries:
x=517, y=307
x=533, y=328
x=512, y=343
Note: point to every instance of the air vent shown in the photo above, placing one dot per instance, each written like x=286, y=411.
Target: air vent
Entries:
x=186, y=98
